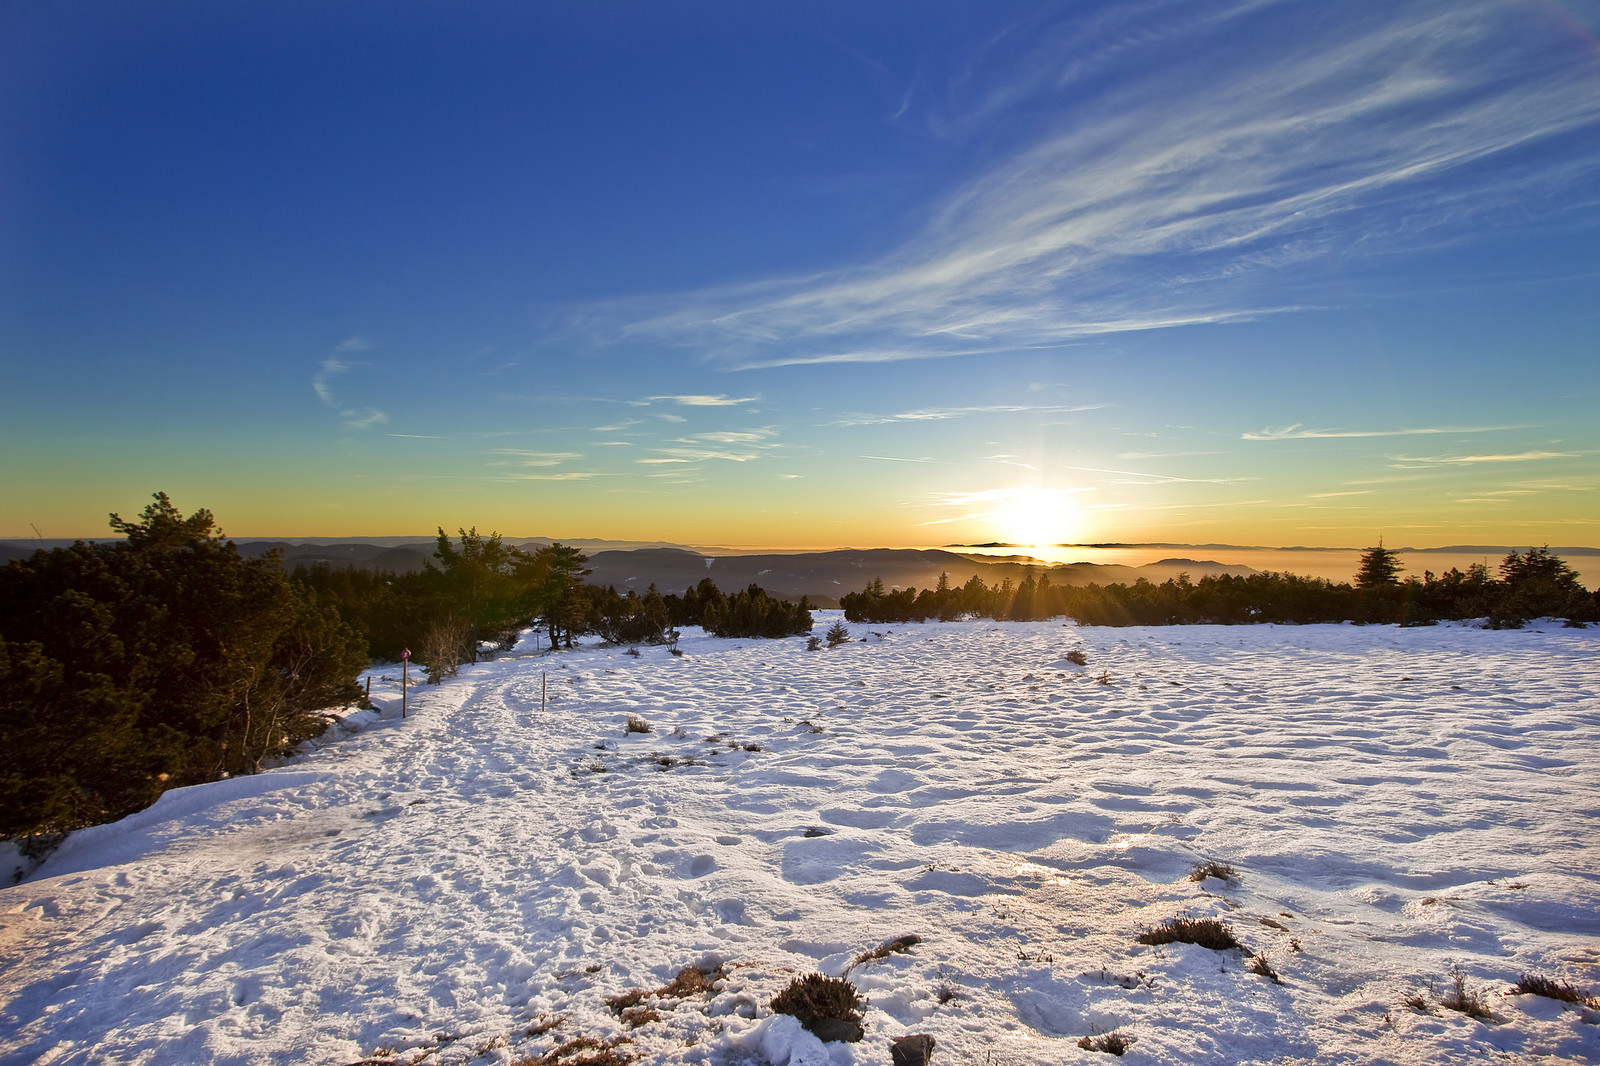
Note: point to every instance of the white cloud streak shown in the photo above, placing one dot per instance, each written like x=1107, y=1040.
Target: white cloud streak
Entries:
x=1297, y=432
x=519, y=457
x=1174, y=197
x=704, y=401
x=355, y=418
x=1406, y=461
x=941, y=414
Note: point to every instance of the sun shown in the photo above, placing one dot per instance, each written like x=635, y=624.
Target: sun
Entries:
x=1038, y=517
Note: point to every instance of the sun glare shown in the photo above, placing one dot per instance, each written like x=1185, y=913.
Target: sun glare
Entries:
x=1037, y=517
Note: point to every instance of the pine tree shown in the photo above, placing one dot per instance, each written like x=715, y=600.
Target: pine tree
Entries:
x=1378, y=581
x=1379, y=567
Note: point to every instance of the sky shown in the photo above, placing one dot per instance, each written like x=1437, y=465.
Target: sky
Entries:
x=805, y=275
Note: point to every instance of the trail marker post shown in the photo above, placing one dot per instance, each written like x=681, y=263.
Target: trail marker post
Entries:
x=405, y=677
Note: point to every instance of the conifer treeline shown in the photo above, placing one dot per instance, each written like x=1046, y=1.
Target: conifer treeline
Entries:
x=1533, y=584
x=484, y=591
x=164, y=660
x=169, y=659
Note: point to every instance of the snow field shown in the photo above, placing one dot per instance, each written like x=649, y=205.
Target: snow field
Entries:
x=1396, y=802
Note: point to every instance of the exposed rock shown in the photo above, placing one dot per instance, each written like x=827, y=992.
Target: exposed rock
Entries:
x=913, y=1050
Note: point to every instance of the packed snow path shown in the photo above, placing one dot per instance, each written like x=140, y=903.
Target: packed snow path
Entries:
x=1395, y=802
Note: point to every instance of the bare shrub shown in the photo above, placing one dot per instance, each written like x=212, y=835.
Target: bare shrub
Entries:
x=637, y=725
x=1112, y=1043
x=444, y=646
x=1466, y=1000
x=1262, y=968
x=828, y=1007
x=1220, y=870
x=691, y=982
x=896, y=946
x=1206, y=932
x=1539, y=985
x=581, y=1051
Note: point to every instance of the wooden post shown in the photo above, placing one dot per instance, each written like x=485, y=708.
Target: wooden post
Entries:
x=405, y=678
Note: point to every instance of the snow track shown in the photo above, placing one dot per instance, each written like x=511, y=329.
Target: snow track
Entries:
x=1395, y=803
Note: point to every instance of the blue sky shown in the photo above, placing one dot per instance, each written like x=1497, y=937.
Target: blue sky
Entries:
x=806, y=274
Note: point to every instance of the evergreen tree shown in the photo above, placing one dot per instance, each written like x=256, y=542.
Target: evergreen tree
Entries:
x=1537, y=585
x=167, y=659
x=1379, y=568
x=1378, y=580
x=562, y=599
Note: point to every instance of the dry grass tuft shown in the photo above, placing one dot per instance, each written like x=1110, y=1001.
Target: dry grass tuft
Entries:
x=828, y=1007
x=899, y=945
x=1463, y=999
x=1112, y=1043
x=1220, y=870
x=637, y=725
x=1530, y=984
x=1207, y=932
x=1261, y=968
x=692, y=982
x=582, y=1051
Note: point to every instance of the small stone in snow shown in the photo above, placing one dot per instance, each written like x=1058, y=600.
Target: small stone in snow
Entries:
x=914, y=1050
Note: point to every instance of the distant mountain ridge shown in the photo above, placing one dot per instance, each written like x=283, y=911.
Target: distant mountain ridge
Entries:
x=824, y=576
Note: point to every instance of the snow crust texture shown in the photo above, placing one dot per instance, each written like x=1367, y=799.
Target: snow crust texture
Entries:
x=472, y=884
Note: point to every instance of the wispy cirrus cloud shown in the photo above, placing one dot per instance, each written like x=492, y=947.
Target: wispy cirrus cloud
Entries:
x=690, y=452
x=941, y=414
x=355, y=418
x=701, y=400
x=1146, y=478
x=1299, y=432
x=1407, y=461
x=1213, y=164
x=521, y=457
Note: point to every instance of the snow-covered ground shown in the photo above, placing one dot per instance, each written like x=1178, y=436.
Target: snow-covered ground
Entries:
x=1396, y=803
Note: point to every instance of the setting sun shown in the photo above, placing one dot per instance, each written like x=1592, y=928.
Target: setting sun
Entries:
x=1038, y=517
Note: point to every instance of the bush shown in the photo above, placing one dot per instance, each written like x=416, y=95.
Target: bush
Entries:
x=444, y=646
x=163, y=660
x=828, y=1007
x=1110, y=1043
x=1220, y=870
x=1539, y=985
x=1206, y=932
x=753, y=613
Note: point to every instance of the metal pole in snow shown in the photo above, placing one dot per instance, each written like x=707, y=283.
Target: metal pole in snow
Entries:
x=405, y=678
